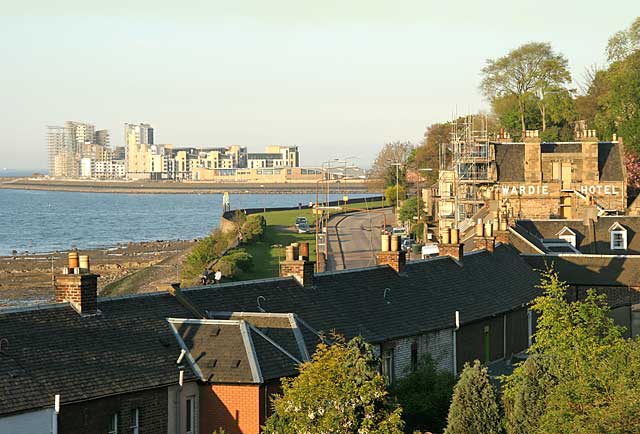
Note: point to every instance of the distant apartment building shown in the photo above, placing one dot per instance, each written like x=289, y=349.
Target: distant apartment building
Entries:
x=68, y=144
x=77, y=150
x=138, y=139
x=158, y=162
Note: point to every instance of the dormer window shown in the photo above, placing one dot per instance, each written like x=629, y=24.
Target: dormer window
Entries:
x=618, y=237
x=568, y=235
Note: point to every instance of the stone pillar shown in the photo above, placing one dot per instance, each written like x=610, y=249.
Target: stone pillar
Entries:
x=590, y=173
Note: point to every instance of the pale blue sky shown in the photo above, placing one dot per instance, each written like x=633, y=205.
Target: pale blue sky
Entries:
x=337, y=78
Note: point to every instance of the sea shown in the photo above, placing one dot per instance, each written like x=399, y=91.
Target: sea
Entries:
x=49, y=221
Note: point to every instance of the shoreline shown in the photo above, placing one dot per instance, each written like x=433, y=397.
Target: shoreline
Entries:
x=171, y=187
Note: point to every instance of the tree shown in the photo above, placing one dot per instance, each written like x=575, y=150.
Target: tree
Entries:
x=425, y=395
x=339, y=391
x=409, y=209
x=474, y=409
x=531, y=69
x=390, y=194
x=583, y=375
x=624, y=42
x=427, y=153
x=524, y=396
x=384, y=165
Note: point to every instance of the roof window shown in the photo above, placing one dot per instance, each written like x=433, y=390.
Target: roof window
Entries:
x=618, y=237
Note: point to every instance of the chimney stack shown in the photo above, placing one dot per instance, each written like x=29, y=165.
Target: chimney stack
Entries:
x=299, y=267
x=485, y=237
x=77, y=286
x=450, y=244
x=391, y=254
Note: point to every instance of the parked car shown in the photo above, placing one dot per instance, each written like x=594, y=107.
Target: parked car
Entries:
x=303, y=228
x=407, y=243
x=301, y=220
x=399, y=231
x=429, y=250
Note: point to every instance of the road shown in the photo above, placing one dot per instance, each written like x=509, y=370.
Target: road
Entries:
x=354, y=239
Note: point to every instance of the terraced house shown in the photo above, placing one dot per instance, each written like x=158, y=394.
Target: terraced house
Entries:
x=203, y=358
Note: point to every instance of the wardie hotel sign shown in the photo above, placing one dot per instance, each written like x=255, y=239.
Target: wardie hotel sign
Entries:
x=543, y=189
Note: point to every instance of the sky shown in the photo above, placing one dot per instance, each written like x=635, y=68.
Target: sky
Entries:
x=338, y=78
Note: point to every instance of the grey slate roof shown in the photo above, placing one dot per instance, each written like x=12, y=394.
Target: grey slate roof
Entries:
x=243, y=348
x=589, y=241
x=424, y=297
x=591, y=270
x=128, y=347
x=510, y=161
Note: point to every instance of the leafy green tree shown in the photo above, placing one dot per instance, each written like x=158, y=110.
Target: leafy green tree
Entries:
x=390, y=194
x=409, y=210
x=474, y=408
x=524, y=396
x=339, y=391
x=531, y=69
x=624, y=42
x=425, y=396
x=582, y=376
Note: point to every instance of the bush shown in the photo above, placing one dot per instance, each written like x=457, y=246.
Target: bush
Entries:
x=390, y=194
x=424, y=396
x=253, y=228
x=474, y=409
x=234, y=263
x=204, y=252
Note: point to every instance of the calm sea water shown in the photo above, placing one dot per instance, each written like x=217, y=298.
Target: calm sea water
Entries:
x=46, y=221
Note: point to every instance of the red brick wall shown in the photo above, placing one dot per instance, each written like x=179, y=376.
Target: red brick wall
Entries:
x=94, y=416
x=234, y=408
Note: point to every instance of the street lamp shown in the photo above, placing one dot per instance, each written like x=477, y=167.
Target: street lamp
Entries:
x=397, y=164
x=418, y=194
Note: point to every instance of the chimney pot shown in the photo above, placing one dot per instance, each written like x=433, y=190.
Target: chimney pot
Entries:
x=385, y=242
x=73, y=260
x=446, y=236
x=395, y=243
x=455, y=236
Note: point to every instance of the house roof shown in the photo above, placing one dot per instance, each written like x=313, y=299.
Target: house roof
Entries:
x=510, y=159
x=423, y=297
x=131, y=346
x=594, y=271
x=244, y=347
x=595, y=239
x=54, y=350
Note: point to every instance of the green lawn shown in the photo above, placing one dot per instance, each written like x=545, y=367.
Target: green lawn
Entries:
x=281, y=231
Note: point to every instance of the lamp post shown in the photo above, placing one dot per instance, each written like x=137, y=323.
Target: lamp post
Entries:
x=418, y=194
x=397, y=164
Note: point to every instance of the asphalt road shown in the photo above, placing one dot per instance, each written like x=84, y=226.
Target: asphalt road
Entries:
x=354, y=239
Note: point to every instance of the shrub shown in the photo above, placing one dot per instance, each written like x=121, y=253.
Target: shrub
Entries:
x=424, y=396
x=234, y=262
x=253, y=228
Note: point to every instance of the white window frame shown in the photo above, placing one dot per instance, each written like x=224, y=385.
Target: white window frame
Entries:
x=135, y=421
x=113, y=424
x=618, y=230
x=190, y=416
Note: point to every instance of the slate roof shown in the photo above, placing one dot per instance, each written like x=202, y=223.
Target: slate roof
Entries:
x=591, y=270
x=594, y=240
x=131, y=345
x=423, y=297
x=54, y=350
x=510, y=159
x=245, y=348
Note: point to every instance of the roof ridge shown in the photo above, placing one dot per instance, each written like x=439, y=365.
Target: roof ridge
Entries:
x=34, y=307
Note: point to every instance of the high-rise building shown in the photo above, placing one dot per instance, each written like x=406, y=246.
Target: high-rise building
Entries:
x=137, y=140
x=103, y=138
x=69, y=144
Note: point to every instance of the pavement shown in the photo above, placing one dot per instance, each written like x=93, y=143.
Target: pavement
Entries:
x=354, y=238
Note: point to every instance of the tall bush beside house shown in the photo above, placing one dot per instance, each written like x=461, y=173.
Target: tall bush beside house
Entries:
x=253, y=228
x=425, y=396
x=474, y=408
x=339, y=391
x=204, y=252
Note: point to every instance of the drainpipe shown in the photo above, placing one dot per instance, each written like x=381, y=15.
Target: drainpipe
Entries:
x=178, y=389
x=455, y=350
x=56, y=411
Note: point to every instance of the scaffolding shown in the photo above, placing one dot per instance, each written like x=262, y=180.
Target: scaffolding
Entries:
x=464, y=171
